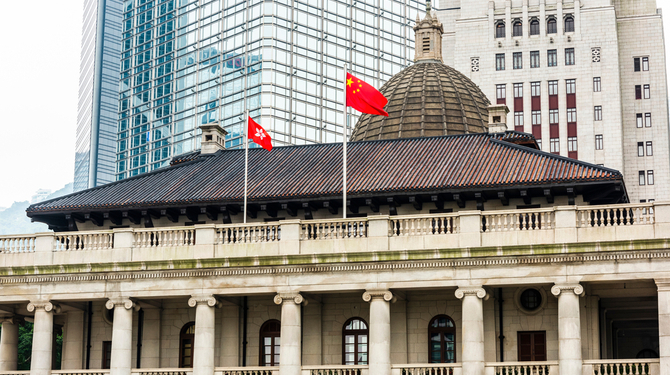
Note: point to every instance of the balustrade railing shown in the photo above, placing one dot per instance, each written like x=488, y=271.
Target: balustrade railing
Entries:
x=248, y=233
x=75, y=241
x=421, y=225
x=17, y=244
x=623, y=367
x=428, y=369
x=604, y=216
x=164, y=237
x=247, y=371
x=79, y=372
x=524, y=368
x=336, y=370
x=334, y=229
x=519, y=220
x=160, y=371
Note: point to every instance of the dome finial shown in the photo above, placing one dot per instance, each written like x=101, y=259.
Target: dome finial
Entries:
x=428, y=8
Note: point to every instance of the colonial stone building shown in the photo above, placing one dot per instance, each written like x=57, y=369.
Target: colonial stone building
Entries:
x=463, y=252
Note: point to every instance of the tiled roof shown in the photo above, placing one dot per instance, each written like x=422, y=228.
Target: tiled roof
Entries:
x=416, y=165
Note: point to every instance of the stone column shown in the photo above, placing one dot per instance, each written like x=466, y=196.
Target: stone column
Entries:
x=379, y=354
x=122, y=335
x=43, y=330
x=203, y=342
x=664, y=324
x=569, y=331
x=9, y=341
x=73, y=341
x=473, y=329
x=291, y=356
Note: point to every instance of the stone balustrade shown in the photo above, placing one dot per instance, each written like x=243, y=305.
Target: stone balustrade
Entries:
x=522, y=368
x=427, y=369
x=641, y=366
x=460, y=234
x=335, y=370
x=246, y=371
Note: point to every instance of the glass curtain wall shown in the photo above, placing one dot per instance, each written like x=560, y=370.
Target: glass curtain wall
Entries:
x=191, y=62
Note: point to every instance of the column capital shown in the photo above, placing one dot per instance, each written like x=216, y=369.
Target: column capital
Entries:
x=8, y=319
x=296, y=298
x=557, y=289
x=119, y=301
x=479, y=292
x=201, y=299
x=384, y=294
x=45, y=305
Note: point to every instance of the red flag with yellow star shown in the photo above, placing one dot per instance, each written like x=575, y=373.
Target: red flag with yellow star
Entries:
x=365, y=98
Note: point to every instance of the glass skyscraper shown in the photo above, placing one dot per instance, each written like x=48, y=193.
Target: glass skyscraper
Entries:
x=97, y=117
x=185, y=63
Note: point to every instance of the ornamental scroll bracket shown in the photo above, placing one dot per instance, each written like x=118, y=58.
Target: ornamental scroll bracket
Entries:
x=296, y=298
x=202, y=299
x=578, y=289
x=47, y=306
x=478, y=292
x=125, y=302
x=384, y=294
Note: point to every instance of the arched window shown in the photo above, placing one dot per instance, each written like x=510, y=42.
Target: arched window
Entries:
x=270, y=331
x=551, y=26
x=535, y=27
x=186, y=345
x=442, y=340
x=355, y=342
x=517, y=29
x=569, y=24
x=500, y=29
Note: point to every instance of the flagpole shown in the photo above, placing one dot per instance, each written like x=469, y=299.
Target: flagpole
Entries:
x=246, y=162
x=344, y=148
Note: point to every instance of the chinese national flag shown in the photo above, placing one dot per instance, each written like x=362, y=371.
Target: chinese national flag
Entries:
x=259, y=135
x=365, y=98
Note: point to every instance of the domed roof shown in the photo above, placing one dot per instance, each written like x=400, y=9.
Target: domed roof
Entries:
x=427, y=99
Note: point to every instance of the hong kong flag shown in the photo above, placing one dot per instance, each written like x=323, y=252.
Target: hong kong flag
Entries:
x=365, y=98
x=259, y=135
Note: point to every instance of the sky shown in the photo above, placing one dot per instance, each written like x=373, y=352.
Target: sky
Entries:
x=39, y=77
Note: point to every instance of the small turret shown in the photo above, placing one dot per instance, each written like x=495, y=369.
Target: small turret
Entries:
x=428, y=37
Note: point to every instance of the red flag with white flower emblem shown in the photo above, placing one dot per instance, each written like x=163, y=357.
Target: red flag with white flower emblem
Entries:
x=259, y=135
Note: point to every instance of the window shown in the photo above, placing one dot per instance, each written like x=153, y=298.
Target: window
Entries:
x=535, y=89
x=518, y=90
x=650, y=150
x=598, y=113
x=534, y=27
x=569, y=56
x=500, y=61
x=551, y=26
x=569, y=24
x=596, y=84
x=534, y=59
x=518, y=121
x=539, y=144
x=500, y=29
x=636, y=64
x=501, y=94
x=270, y=341
x=647, y=120
x=442, y=340
x=355, y=342
x=553, y=116
x=599, y=141
x=638, y=91
x=518, y=60
x=552, y=58
x=532, y=346
x=640, y=149
x=645, y=64
x=572, y=114
x=106, y=355
x=572, y=144
x=536, y=117
x=641, y=179
x=638, y=118
x=530, y=299
x=650, y=177
x=517, y=29
x=186, y=337
x=554, y=145
x=553, y=87
x=647, y=92
x=570, y=86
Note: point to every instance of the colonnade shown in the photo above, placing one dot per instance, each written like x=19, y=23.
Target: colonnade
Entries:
x=472, y=297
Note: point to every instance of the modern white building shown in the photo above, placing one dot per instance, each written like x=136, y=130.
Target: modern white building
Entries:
x=586, y=78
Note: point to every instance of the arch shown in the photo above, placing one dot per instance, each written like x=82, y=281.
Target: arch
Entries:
x=355, y=342
x=269, y=343
x=647, y=353
x=569, y=24
x=517, y=28
x=551, y=25
x=186, y=337
x=441, y=340
x=535, y=27
x=500, y=29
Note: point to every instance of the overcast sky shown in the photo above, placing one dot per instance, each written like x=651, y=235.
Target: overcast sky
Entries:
x=39, y=76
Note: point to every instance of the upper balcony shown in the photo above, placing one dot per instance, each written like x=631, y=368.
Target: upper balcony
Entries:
x=463, y=234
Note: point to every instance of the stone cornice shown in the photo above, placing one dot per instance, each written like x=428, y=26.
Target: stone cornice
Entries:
x=384, y=294
x=120, y=301
x=562, y=288
x=296, y=298
x=479, y=292
x=202, y=299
